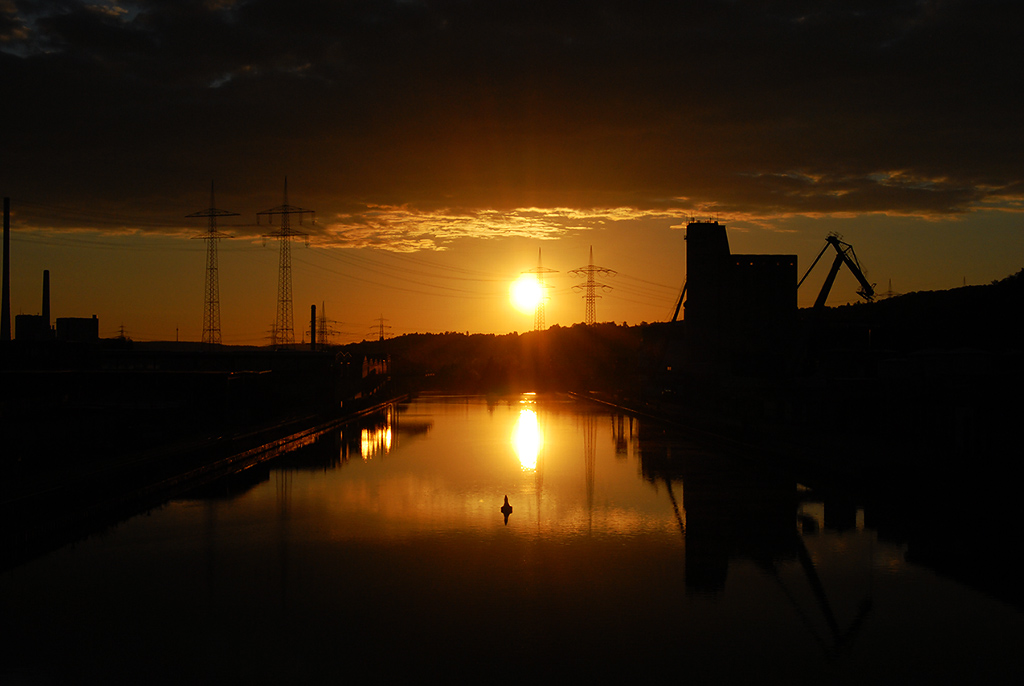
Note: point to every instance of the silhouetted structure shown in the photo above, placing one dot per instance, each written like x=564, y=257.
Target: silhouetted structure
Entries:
x=5, y=317
x=46, y=298
x=539, y=271
x=312, y=327
x=844, y=255
x=381, y=328
x=740, y=310
x=36, y=327
x=590, y=295
x=30, y=327
x=78, y=329
x=284, y=325
x=211, y=310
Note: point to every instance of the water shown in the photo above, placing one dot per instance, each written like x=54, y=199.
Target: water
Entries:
x=382, y=553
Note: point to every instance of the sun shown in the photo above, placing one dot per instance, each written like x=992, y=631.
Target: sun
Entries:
x=526, y=293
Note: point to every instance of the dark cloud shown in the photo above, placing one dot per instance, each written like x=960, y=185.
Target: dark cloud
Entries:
x=750, y=107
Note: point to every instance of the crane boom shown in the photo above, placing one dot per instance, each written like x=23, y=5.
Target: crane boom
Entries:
x=844, y=255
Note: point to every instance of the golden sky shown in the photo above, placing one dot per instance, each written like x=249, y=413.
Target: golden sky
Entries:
x=442, y=144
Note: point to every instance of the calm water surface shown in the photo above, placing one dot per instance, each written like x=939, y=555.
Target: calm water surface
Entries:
x=382, y=553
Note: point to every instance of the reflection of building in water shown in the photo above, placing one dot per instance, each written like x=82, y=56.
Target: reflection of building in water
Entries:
x=375, y=440
x=728, y=512
x=622, y=434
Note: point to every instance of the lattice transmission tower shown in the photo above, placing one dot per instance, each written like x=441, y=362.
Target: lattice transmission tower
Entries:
x=283, y=332
x=321, y=330
x=539, y=271
x=381, y=327
x=591, y=287
x=211, y=310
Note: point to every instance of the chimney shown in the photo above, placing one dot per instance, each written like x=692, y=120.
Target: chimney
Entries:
x=46, y=298
x=312, y=327
x=5, y=317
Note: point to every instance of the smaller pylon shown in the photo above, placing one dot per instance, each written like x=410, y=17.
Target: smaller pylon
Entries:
x=591, y=286
x=539, y=271
x=211, y=310
x=381, y=327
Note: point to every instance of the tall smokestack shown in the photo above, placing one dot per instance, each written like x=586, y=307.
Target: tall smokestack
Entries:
x=5, y=321
x=46, y=298
x=312, y=327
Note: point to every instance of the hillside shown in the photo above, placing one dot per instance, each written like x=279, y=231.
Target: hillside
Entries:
x=980, y=317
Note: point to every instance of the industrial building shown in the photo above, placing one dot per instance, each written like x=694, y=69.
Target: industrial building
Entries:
x=741, y=310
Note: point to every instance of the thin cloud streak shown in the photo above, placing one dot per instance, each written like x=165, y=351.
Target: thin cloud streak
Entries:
x=403, y=229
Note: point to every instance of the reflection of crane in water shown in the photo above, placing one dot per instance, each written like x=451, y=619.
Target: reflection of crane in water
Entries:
x=840, y=636
x=730, y=511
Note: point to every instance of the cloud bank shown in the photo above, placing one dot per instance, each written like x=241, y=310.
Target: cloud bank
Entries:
x=411, y=123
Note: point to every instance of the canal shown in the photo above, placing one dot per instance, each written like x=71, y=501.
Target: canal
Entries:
x=382, y=552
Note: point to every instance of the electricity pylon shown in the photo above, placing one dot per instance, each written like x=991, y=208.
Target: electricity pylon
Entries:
x=322, y=333
x=284, y=325
x=591, y=286
x=539, y=271
x=381, y=327
x=211, y=310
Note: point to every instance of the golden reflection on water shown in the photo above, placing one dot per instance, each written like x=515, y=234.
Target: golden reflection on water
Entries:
x=375, y=441
x=526, y=437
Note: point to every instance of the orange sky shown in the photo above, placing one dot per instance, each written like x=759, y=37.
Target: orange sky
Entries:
x=441, y=144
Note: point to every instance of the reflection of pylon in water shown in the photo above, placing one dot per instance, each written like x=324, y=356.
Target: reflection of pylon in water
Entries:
x=619, y=432
x=284, y=324
x=211, y=309
x=539, y=271
x=589, y=457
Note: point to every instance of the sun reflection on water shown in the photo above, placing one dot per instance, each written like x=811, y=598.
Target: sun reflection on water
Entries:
x=526, y=436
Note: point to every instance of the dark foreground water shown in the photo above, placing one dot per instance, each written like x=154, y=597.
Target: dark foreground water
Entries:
x=382, y=554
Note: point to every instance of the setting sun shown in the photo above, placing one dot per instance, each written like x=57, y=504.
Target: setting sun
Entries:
x=526, y=293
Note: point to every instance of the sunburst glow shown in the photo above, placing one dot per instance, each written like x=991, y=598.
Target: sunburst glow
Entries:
x=526, y=293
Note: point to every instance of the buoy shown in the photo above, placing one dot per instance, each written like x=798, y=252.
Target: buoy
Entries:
x=506, y=510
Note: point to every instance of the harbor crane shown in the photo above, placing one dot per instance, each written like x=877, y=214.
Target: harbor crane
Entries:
x=844, y=255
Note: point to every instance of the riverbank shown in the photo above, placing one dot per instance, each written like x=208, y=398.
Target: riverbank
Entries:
x=66, y=501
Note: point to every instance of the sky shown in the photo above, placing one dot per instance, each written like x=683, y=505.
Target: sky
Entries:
x=445, y=145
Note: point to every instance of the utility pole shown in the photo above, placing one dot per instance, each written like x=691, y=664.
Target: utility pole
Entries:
x=539, y=271
x=211, y=310
x=589, y=288
x=284, y=327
